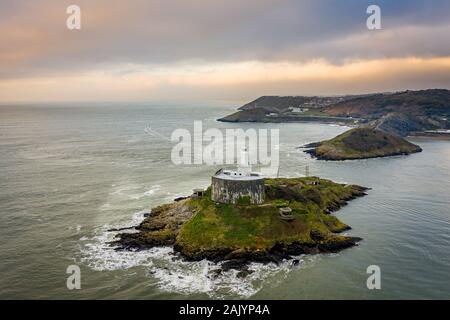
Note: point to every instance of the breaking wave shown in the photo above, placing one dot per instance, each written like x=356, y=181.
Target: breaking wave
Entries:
x=175, y=275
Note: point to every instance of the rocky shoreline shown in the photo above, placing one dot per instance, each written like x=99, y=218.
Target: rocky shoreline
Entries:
x=179, y=224
x=313, y=153
x=159, y=228
x=361, y=143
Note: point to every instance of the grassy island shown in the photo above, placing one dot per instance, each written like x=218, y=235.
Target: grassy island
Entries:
x=199, y=228
x=362, y=143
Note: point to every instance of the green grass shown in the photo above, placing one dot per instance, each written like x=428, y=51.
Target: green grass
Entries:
x=364, y=143
x=257, y=227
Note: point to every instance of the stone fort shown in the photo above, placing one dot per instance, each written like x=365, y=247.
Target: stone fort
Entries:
x=235, y=186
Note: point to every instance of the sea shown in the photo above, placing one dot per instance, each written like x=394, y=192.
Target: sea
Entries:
x=71, y=172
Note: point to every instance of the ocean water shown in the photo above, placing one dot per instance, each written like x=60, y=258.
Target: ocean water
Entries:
x=68, y=173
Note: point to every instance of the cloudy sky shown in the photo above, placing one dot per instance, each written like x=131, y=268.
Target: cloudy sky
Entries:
x=222, y=50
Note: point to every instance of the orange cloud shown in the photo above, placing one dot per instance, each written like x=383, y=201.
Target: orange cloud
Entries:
x=238, y=80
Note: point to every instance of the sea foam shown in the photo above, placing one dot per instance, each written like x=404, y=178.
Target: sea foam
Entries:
x=173, y=274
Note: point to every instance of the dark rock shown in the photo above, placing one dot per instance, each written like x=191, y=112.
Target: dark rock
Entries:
x=312, y=153
x=336, y=246
x=120, y=229
x=138, y=241
x=316, y=235
x=310, y=145
x=216, y=273
x=238, y=264
x=244, y=273
x=159, y=228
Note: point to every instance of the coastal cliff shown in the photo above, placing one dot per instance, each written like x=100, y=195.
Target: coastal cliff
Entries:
x=401, y=113
x=199, y=228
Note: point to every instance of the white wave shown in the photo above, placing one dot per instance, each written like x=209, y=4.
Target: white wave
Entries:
x=175, y=275
x=152, y=190
x=138, y=217
x=123, y=190
x=129, y=192
x=99, y=255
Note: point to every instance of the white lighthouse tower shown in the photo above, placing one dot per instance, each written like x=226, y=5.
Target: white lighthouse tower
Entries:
x=245, y=167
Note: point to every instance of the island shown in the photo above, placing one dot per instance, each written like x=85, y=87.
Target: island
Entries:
x=244, y=218
x=361, y=143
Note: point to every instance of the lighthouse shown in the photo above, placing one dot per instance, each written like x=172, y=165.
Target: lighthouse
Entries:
x=245, y=167
x=232, y=186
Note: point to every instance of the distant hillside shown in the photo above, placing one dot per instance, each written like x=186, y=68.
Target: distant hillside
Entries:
x=430, y=103
x=274, y=103
x=362, y=143
x=401, y=113
x=283, y=103
x=287, y=109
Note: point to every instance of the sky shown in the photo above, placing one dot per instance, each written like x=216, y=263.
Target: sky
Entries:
x=221, y=50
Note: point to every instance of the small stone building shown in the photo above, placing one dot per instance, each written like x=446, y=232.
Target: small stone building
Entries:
x=286, y=214
x=198, y=193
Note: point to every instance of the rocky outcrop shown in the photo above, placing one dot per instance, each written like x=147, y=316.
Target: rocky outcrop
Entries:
x=160, y=228
x=361, y=143
x=199, y=228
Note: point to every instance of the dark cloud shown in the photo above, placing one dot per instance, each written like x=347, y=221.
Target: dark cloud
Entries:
x=35, y=40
